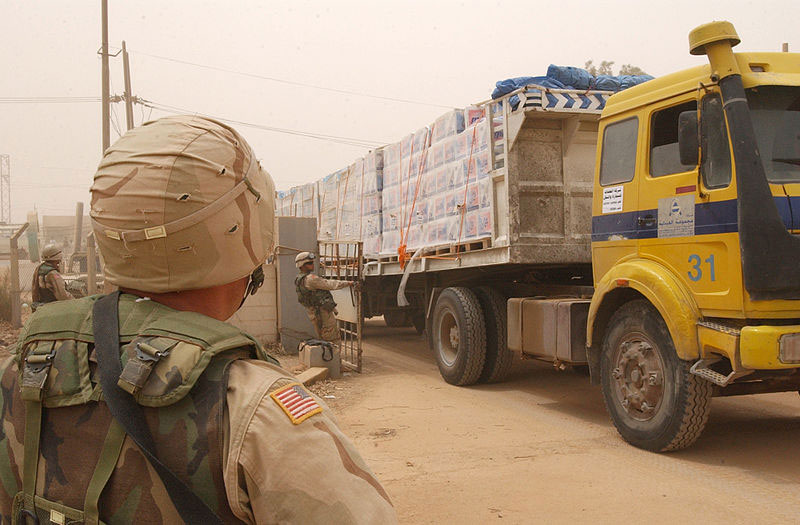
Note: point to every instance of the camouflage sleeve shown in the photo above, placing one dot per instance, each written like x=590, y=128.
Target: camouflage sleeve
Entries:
x=285, y=466
x=315, y=282
x=56, y=283
x=11, y=439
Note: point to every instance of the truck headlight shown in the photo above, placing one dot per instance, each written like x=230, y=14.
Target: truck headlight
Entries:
x=790, y=348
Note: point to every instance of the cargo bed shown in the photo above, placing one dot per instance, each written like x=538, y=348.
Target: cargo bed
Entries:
x=543, y=155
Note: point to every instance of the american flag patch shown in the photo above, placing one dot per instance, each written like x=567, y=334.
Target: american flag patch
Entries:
x=296, y=402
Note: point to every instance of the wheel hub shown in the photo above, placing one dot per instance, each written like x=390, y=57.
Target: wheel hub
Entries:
x=454, y=337
x=448, y=338
x=638, y=376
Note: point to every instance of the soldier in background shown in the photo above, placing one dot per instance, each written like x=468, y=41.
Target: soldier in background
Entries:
x=48, y=285
x=313, y=292
x=143, y=406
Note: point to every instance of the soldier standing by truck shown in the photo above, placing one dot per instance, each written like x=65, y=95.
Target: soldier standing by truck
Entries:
x=48, y=285
x=313, y=292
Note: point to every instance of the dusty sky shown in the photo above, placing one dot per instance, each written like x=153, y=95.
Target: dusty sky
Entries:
x=438, y=54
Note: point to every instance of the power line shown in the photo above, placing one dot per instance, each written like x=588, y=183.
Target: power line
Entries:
x=361, y=143
x=291, y=82
x=48, y=100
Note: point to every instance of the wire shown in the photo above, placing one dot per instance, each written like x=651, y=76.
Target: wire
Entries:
x=291, y=82
x=47, y=100
x=115, y=120
x=361, y=143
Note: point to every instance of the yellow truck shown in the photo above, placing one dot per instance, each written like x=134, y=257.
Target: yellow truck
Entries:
x=654, y=242
x=695, y=260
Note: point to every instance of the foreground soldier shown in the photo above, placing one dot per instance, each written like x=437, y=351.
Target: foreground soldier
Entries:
x=313, y=292
x=193, y=423
x=48, y=285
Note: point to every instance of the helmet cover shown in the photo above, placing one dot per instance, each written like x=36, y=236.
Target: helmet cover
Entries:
x=181, y=203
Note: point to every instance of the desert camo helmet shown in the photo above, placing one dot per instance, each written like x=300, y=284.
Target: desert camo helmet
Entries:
x=304, y=257
x=51, y=252
x=181, y=203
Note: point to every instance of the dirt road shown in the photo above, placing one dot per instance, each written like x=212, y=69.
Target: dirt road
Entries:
x=540, y=448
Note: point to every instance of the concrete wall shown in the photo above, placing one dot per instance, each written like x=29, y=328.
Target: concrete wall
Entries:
x=259, y=314
x=294, y=234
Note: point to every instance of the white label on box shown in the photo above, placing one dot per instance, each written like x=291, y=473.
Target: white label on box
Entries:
x=676, y=216
x=612, y=199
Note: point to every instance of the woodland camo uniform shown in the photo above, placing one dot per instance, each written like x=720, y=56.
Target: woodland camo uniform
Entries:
x=48, y=285
x=313, y=293
x=178, y=204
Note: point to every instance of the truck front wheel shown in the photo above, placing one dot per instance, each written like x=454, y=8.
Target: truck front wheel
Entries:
x=653, y=400
x=458, y=337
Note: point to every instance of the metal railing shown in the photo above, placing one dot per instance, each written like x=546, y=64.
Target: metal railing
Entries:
x=344, y=260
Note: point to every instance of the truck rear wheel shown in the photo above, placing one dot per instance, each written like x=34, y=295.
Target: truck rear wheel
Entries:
x=498, y=356
x=458, y=338
x=653, y=400
x=396, y=318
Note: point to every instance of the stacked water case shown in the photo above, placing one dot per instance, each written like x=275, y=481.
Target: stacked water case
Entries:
x=328, y=205
x=430, y=189
x=372, y=203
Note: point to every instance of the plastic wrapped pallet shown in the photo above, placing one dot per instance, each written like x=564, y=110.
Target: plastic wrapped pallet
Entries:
x=432, y=188
x=308, y=196
x=350, y=203
x=328, y=205
x=447, y=125
x=279, y=198
x=472, y=114
x=371, y=216
x=396, y=162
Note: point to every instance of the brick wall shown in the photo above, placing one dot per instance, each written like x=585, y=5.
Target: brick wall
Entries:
x=259, y=315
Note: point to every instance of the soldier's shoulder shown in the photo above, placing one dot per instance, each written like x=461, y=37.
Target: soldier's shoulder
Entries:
x=60, y=316
x=255, y=374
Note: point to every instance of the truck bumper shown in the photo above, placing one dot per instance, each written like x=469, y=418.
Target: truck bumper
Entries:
x=770, y=347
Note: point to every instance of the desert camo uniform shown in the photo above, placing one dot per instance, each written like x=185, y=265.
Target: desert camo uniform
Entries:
x=176, y=205
x=314, y=294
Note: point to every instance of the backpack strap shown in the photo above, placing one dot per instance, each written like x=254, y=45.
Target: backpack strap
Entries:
x=128, y=413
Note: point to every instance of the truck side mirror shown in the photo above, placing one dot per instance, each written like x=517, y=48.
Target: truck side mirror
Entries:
x=688, y=138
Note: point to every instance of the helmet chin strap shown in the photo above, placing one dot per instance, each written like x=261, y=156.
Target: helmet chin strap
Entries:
x=255, y=282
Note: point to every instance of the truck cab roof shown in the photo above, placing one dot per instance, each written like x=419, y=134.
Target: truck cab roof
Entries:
x=776, y=69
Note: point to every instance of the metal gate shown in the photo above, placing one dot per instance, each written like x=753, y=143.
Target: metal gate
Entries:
x=342, y=260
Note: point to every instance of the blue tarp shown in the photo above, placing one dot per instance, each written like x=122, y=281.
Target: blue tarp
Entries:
x=505, y=87
x=568, y=77
x=574, y=77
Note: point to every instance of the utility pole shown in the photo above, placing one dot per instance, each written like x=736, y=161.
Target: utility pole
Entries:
x=106, y=117
x=126, y=67
x=5, y=189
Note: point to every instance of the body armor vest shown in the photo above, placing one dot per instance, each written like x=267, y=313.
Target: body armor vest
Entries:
x=87, y=472
x=313, y=298
x=41, y=293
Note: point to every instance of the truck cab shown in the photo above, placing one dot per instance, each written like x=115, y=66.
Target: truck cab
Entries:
x=695, y=211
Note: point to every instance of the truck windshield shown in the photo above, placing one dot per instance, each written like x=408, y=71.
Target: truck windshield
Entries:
x=776, y=118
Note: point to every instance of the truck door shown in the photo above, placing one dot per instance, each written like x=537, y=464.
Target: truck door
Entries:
x=614, y=205
x=688, y=214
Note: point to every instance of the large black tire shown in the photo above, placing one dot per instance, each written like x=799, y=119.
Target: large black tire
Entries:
x=458, y=337
x=498, y=357
x=653, y=400
x=396, y=318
